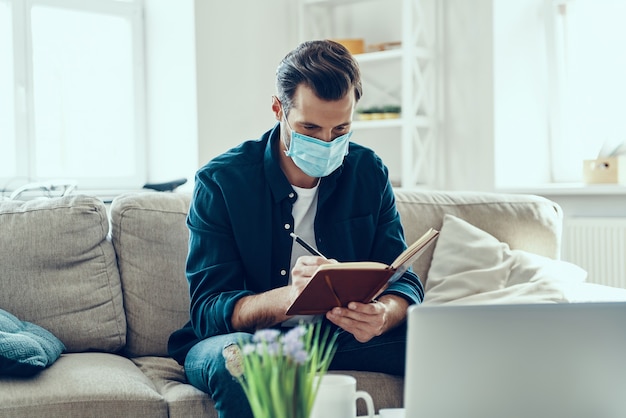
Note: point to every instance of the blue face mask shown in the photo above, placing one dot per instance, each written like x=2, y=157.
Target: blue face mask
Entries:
x=317, y=158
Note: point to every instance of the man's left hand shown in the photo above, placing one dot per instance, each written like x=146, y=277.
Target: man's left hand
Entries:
x=368, y=320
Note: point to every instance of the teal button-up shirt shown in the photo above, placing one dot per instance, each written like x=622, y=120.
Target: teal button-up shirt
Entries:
x=240, y=219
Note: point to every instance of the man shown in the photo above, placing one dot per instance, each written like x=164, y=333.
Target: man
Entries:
x=302, y=176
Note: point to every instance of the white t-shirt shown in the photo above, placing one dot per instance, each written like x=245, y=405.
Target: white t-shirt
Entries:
x=303, y=212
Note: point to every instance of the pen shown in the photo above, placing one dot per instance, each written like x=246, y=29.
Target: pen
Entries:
x=306, y=246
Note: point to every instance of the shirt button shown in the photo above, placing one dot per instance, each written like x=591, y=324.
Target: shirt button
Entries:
x=283, y=272
x=287, y=226
x=291, y=194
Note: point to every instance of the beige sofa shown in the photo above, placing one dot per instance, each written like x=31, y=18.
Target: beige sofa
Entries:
x=109, y=283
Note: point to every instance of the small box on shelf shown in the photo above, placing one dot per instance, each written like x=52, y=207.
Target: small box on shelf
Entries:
x=354, y=45
x=610, y=170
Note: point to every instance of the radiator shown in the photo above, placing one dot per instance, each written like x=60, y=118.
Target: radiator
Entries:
x=599, y=246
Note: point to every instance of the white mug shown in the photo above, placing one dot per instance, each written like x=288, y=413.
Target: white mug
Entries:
x=337, y=396
x=391, y=413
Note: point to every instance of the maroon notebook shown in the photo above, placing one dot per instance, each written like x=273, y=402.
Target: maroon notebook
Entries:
x=341, y=283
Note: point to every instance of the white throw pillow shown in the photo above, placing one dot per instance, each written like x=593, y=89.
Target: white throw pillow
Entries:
x=470, y=266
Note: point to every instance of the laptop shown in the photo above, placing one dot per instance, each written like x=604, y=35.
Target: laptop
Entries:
x=516, y=361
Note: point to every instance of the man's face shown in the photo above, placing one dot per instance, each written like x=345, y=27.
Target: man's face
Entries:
x=321, y=119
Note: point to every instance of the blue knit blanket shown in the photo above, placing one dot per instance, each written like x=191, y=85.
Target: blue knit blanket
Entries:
x=25, y=348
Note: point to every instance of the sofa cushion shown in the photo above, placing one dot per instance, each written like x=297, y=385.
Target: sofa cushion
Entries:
x=526, y=222
x=183, y=399
x=151, y=238
x=58, y=270
x=470, y=266
x=25, y=348
x=95, y=385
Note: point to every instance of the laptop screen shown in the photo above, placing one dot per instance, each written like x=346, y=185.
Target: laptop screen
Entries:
x=516, y=361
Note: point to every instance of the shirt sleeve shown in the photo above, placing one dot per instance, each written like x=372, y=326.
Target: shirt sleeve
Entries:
x=390, y=235
x=214, y=269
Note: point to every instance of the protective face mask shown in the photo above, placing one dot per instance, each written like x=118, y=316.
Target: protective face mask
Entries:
x=315, y=157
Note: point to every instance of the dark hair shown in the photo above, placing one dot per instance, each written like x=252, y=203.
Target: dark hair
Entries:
x=325, y=66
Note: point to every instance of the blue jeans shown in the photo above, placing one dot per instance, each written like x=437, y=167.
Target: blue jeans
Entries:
x=206, y=370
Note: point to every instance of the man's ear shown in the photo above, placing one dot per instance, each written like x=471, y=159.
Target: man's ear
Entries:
x=277, y=108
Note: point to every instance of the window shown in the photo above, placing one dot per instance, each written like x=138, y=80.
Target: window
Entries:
x=74, y=104
x=7, y=106
x=588, y=86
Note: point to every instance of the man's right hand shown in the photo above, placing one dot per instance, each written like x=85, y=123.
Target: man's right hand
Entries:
x=268, y=308
x=303, y=271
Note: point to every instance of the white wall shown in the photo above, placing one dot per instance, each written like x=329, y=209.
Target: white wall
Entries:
x=239, y=44
x=217, y=93
x=520, y=94
x=172, y=117
x=469, y=94
x=210, y=77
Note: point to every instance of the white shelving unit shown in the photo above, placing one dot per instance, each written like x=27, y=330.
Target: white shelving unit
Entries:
x=406, y=76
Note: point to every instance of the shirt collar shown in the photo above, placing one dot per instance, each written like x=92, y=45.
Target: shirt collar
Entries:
x=278, y=183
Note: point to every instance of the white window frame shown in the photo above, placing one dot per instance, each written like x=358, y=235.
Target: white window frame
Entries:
x=131, y=10
x=564, y=116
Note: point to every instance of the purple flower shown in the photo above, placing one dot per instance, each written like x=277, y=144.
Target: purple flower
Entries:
x=299, y=356
x=290, y=347
x=266, y=335
x=273, y=348
x=248, y=349
x=295, y=334
x=293, y=345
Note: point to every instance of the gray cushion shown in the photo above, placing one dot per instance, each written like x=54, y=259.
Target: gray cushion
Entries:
x=183, y=400
x=58, y=270
x=79, y=385
x=25, y=348
x=151, y=238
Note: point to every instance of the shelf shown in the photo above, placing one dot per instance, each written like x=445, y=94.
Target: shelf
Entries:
x=420, y=121
x=403, y=75
x=333, y=2
x=569, y=189
x=379, y=55
x=391, y=54
x=378, y=123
